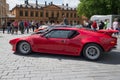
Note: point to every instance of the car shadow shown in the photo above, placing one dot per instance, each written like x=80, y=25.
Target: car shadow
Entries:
x=55, y=56
x=112, y=57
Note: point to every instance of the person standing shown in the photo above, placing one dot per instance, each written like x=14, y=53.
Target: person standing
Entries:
x=33, y=25
x=8, y=27
x=94, y=25
x=12, y=28
x=21, y=27
x=118, y=27
x=106, y=23
x=26, y=25
x=65, y=21
x=85, y=23
x=3, y=26
x=115, y=24
x=101, y=25
x=89, y=24
x=15, y=24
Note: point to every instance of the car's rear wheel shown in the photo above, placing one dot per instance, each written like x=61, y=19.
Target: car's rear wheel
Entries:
x=24, y=48
x=92, y=51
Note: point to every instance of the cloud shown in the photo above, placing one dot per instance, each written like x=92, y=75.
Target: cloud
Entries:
x=72, y=3
x=12, y=3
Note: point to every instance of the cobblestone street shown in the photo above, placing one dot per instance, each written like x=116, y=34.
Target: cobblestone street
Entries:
x=55, y=67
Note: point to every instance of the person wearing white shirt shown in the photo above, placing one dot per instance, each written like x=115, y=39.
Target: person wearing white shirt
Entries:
x=115, y=24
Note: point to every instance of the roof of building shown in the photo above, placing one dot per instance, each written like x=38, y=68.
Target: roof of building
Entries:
x=33, y=5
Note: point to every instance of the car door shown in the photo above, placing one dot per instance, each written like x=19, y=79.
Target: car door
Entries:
x=72, y=43
x=53, y=42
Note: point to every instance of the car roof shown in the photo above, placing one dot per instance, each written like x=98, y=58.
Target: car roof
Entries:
x=86, y=30
x=67, y=28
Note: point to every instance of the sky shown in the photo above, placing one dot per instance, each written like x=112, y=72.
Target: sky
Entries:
x=72, y=3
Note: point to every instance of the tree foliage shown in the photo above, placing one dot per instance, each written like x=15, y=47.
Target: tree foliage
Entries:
x=98, y=7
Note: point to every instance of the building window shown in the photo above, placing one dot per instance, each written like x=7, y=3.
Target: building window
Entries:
x=32, y=14
x=47, y=14
x=71, y=15
x=75, y=22
x=62, y=14
x=26, y=13
x=67, y=15
x=21, y=13
x=36, y=14
x=41, y=22
x=57, y=14
x=78, y=22
x=75, y=15
x=71, y=22
x=52, y=15
x=41, y=14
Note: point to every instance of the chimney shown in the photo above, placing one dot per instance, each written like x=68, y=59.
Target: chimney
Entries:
x=51, y=3
x=36, y=3
x=45, y=3
x=67, y=4
x=26, y=2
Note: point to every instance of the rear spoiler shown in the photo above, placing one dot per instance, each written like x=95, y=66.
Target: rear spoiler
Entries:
x=109, y=32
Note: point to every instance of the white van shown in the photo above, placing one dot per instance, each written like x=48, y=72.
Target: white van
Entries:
x=99, y=18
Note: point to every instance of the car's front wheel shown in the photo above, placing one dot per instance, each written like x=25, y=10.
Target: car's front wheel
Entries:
x=24, y=48
x=92, y=51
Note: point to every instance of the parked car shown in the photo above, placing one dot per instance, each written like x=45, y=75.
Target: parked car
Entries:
x=46, y=28
x=42, y=27
x=78, y=26
x=67, y=41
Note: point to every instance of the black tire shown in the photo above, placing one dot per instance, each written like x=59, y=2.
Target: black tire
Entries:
x=24, y=48
x=92, y=51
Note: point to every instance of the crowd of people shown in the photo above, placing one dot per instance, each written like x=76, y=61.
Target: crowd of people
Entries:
x=97, y=25
x=22, y=26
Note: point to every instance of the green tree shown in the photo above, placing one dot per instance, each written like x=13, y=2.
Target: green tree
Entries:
x=99, y=7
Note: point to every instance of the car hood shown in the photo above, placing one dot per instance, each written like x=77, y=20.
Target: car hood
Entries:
x=26, y=38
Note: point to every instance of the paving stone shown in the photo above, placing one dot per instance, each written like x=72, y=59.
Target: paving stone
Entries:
x=55, y=67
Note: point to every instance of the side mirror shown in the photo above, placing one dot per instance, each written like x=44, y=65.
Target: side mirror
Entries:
x=45, y=36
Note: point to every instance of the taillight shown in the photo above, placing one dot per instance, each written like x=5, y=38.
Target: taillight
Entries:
x=112, y=42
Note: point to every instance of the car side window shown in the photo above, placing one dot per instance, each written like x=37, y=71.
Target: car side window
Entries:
x=59, y=34
x=72, y=34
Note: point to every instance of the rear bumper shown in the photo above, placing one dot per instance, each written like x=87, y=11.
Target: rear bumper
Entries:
x=113, y=48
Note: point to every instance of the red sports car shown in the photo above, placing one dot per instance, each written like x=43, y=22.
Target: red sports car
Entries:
x=67, y=41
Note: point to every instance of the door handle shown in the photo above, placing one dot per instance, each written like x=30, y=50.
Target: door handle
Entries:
x=63, y=41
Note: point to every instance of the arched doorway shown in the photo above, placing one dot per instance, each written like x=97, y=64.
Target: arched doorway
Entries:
x=53, y=20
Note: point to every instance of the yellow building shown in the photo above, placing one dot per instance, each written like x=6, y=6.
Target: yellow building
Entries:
x=44, y=13
x=3, y=10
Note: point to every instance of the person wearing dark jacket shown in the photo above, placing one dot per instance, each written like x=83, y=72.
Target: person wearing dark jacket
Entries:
x=101, y=25
x=8, y=27
x=21, y=27
x=65, y=21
